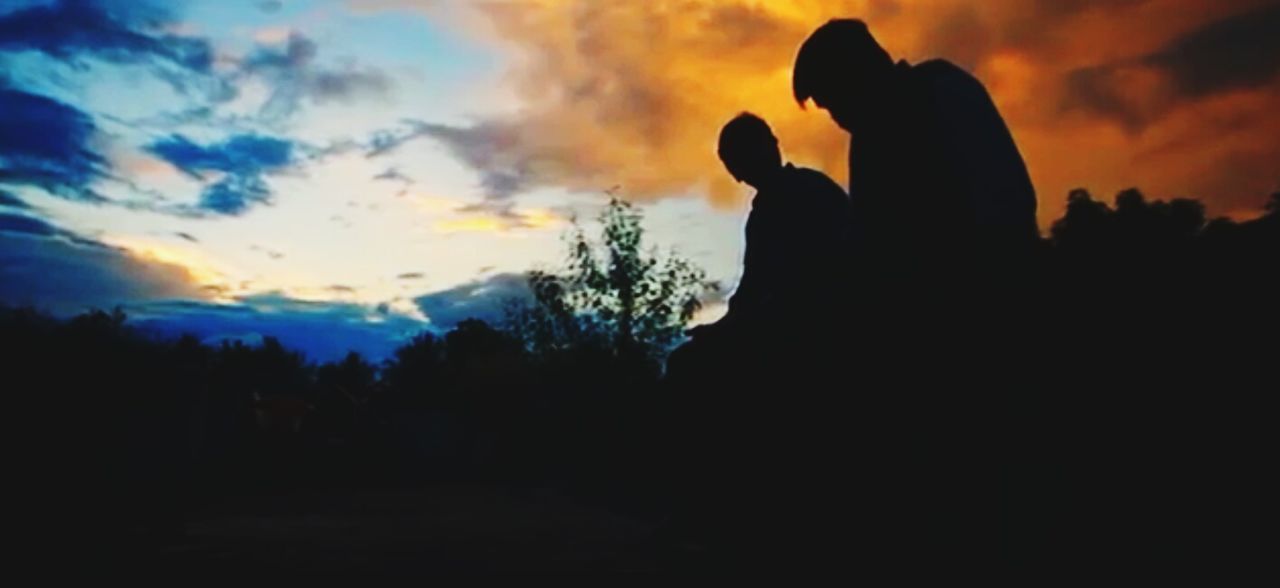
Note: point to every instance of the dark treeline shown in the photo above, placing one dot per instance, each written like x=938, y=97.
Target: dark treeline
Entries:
x=130, y=433
x=1158, y=364
x=1151, y=341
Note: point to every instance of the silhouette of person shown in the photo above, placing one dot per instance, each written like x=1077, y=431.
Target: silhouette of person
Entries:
x=931, y=158
x=794, y=276
x=797, y=232
x=770, y=342
x=948, y=214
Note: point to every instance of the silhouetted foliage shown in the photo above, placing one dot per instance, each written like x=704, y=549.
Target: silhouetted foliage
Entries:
x=613, y=295
x=415, y=370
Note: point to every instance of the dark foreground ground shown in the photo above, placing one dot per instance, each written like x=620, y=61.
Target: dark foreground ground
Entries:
x=406, y=533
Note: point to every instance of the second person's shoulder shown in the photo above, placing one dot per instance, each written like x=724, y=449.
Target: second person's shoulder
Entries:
x=816, y=182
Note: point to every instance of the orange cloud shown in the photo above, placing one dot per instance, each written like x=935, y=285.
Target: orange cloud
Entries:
x=198, y=270
x=1103, y=94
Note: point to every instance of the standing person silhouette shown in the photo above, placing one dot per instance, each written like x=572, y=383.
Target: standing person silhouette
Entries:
x=948, y=212
x=931, y=158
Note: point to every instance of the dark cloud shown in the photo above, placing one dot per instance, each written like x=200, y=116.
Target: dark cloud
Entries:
x=234, y=195
x=204, y=116
x=48, y=267
x=116, y=31
x=245, y=159
x=384, y=141
x=241, y=155
x=482, y=299
x=122, y=31
x=21, y=223
x=411, y=276
x=297, y=52
x=293, y=74
x=55, y=146
x=8, y=200
x=336, y=147
x=491, y=148
x=135, y=32
x=187, y=236
x=485, y=148
x=48, y=144
x=29, y=225
x=1238, y=52
x=346, y=84
x=393, y=175
x=1101, y=90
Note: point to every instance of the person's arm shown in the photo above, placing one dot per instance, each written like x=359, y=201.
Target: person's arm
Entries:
x=762, y=257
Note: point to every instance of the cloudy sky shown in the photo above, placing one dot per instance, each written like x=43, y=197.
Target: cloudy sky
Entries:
x=342, y=173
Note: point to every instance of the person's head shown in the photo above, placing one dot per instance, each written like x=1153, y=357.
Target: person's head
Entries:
x=749, y=150
x=844, y=70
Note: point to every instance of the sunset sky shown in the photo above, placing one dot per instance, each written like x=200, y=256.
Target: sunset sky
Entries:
x=344, y=173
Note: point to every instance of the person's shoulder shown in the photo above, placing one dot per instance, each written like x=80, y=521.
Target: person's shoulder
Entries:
x=940, y=69
x=813, y=178
x=942, y=75
x=813, y=188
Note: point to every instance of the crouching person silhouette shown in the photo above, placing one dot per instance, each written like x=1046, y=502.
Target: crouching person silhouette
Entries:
x=747, y=387
x=797, y=234
x=797, y=243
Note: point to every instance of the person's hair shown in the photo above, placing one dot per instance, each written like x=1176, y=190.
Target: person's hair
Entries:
x=742, y=134
x=836, y=51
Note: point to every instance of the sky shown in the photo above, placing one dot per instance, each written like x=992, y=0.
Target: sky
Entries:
x=346, y=173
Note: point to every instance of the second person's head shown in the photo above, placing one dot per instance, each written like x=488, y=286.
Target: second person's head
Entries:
x=749, y=150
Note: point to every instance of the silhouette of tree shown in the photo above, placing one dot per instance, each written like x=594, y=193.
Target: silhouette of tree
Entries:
x=354, y=376
x=342, y=392
x=613, y=294
x=414, y=371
